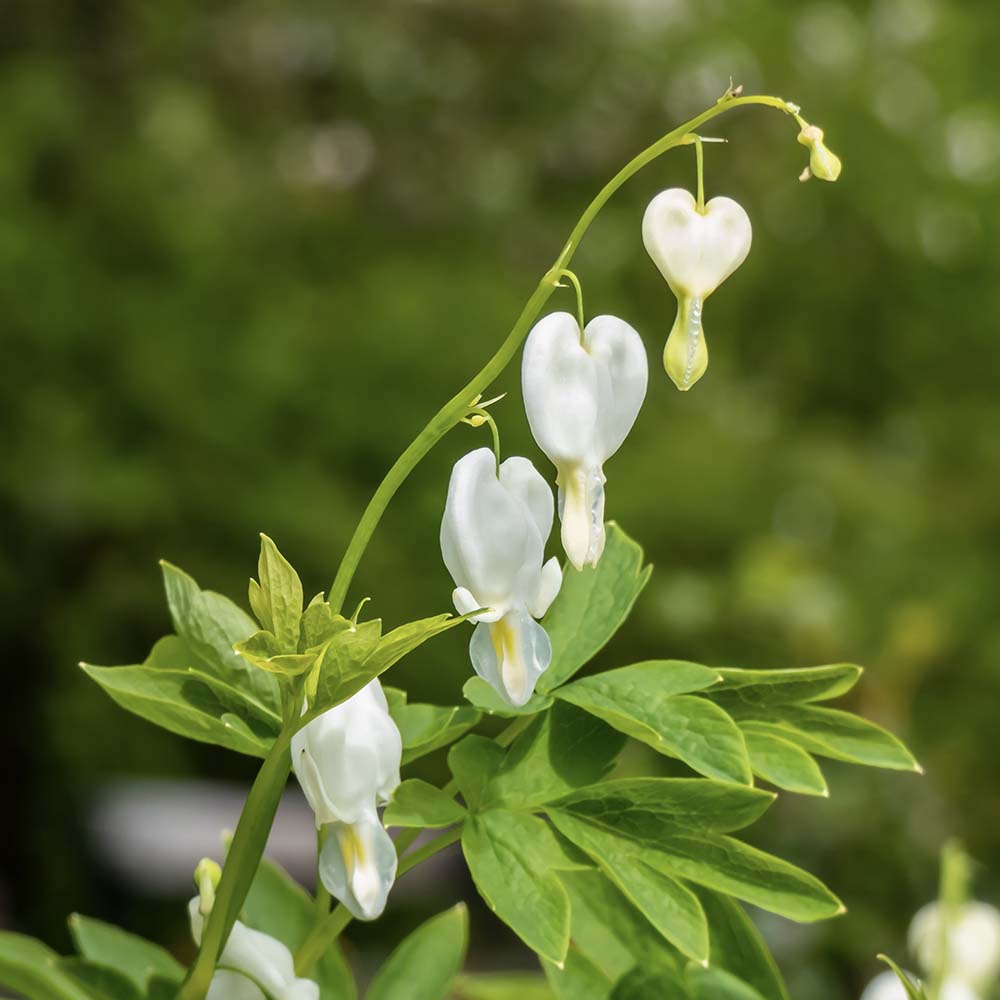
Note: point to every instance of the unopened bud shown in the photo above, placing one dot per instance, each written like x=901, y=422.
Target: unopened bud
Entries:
x=823, y=163
x=206, y=878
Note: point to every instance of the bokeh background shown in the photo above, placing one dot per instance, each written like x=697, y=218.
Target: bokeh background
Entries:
x=246, y=249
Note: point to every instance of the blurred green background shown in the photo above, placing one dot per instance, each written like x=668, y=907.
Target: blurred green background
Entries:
x=246, y=249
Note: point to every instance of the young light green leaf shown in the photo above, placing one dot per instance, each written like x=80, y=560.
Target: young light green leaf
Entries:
x=264, y=651
x=278, y=906
x=644, y=808
x=647, y=701
x=578, y=978
x=913, y=987
x=101, y=981
x=132, y=956
x=510, y=856
x=425, y=728
x=473, y=762
x=320, y=623
x=415, y=803
x=781, y=687
x=591, y=606
x=190, y=704
x=830, y=732
x=423, y=965
x=777, y=759
x=667, y=904
x=736, y=869
x=737, y=946
x=562, y=750
x=282, y=592
x=32, y=968
x=210, y=626
x=482, y=695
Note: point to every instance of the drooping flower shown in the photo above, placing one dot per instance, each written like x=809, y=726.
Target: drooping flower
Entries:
x=695, y=251
x=253, y=965
x=347, y=762
x=493, y=538
x=972, y=946
x=582, y=393
x=823, y=162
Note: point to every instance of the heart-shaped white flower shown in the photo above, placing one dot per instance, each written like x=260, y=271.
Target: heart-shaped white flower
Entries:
x=582, y=393
x=695, y=251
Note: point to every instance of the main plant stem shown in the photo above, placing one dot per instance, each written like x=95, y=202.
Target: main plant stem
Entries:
x=262, y=803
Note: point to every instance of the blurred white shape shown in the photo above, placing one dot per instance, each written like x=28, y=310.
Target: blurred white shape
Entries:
x=903, y=22
x=828, y=37
x=973, y=942
x=885, y=986
x=972, y=144
x=336, y=156
x=948, y=234
x=904, y=100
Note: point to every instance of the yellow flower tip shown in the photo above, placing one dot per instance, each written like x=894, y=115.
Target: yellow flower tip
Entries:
x=918, y=768
x=823, y=162
x=841, y=910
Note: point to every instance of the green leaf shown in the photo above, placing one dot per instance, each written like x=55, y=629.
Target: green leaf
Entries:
x=425, y=728
x=415, y=803
x=264, y=651
x=482, y=695
x=502, y=986
x=512, y=858
x=607, y=927
x=829, y=732
x=644, y=808
x=717, y=984
x=668, y=905
x=651, y=984
x=32, y=968
x=578, y=978
x=591, y=606
x=102, y=982
x=781, y=687
x=423, y=965
x=732, y=867
x=647, y=701
x=914, y=989
x=777, y=759
x=278, y=906
x=132, y=956
x=320, y=623
x=562, y=750
x=736, y=945
x=282, y=592
x=473, y=762
x=191, y=704
x=210, y=626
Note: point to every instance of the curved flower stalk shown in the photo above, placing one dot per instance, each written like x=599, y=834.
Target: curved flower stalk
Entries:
x=582, y=393
x=886, y=986
x=347, y=762
x=493, y=535
x=252, y=966
x=696, y=248
x=971, y=941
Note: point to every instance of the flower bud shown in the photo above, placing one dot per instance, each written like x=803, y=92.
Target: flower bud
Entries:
x=207, y=876
x=823, y=162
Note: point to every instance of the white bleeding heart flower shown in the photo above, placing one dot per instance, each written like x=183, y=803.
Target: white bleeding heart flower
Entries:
x=973, y=944
x=582, y=393
x=347, y=762
x=695, y=251
x=253, y=965
x=886, y=986
x=493, y=536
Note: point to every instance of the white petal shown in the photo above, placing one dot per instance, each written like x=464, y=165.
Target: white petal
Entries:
x=620, y=358
x=358, y=866
x=549, y=583
x=259, y=956
x=511, y=655
x=226, y=985
x=973, y=941
x=525, y=482
x=695, y=252
x=885, y=986
x=487, y=537
x=581, y=509
x=559, y=382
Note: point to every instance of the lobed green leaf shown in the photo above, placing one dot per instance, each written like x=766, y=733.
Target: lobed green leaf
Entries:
x=416, y=803
x=425, y=728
